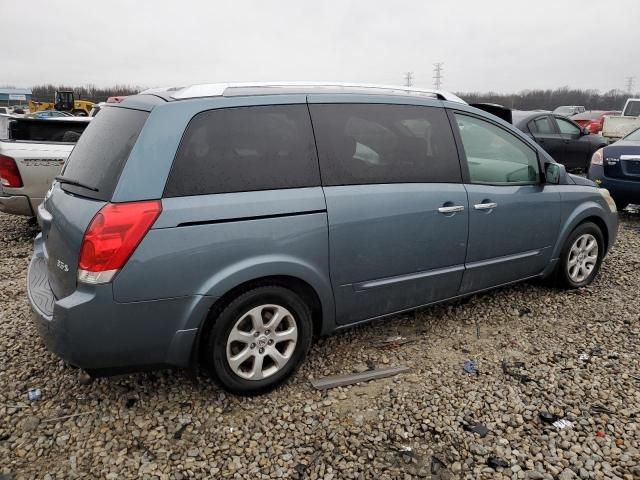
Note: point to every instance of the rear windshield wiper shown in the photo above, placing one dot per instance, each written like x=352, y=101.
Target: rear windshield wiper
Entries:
x=70, y=181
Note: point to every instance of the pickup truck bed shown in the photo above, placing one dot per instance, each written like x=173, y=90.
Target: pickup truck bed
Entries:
x=38, y=148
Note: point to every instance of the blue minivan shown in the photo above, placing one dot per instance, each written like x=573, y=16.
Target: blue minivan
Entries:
x=225, y=225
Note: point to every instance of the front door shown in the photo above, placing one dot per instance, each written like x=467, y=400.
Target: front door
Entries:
x=513, y=217
x=544, y=131
x=576, y=149
x=397, y=209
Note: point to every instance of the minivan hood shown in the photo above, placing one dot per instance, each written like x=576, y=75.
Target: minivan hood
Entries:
x=578, y=180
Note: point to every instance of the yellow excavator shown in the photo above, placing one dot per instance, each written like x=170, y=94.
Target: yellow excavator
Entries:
x=64, y=102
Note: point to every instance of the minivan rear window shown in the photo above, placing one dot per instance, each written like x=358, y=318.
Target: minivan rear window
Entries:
x=244, y=149
x=99, y=156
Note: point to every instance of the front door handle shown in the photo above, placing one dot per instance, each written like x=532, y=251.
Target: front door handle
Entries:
x=451, y=209
x=485, y=206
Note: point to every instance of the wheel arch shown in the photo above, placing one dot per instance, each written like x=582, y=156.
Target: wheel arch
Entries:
x=589, y=212
x=302, y=288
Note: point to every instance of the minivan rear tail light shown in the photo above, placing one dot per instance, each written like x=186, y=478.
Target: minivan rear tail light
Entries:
x=9, y=173
x=112, y=236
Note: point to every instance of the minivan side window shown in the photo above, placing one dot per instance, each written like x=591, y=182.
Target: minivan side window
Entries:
x=383, y=143
x=495, y=156
x=245, y=149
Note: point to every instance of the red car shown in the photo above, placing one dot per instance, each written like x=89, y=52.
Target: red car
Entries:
x=592, y=120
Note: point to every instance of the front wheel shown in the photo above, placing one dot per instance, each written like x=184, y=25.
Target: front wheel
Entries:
x=259, y=340
x=581, y=256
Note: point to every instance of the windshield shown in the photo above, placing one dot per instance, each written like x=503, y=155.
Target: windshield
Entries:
x=633, y=136
x=633, y=109
x=564, y=110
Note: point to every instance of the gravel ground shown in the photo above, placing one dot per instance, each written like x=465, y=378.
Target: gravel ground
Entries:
x=172, y=425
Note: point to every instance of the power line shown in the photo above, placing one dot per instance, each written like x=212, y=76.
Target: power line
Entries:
x=630, y=81
x=437, y=75
x=408, y=79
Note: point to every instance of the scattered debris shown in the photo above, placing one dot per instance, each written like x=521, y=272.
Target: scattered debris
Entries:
x=476, y=428
x=67, y=417
x=548, y=417
x=600, y=409
x=342, y=380
x=496, y=462
x=34, y=394
x=619, y=442
x=586, y=356
x=512, y=370
x=524, y=311
x=437, y=465
x=471, y=367
x=563, y=424
x=600, y=434
x=393, y=342
x=300, y=469
x=178, y=433
x=407, y=453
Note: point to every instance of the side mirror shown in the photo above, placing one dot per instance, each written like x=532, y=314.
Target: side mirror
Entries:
x=553, y=172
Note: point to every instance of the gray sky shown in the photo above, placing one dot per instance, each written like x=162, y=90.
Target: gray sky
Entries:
x=499, y=45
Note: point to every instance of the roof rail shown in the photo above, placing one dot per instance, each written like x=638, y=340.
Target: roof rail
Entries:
x=222, y=89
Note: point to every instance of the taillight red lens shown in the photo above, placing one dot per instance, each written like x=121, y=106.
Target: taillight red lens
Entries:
x=9, y=173
x=112, y=236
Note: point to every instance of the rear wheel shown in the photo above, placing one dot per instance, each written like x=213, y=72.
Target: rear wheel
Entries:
x=259, y=340
x=581, y=257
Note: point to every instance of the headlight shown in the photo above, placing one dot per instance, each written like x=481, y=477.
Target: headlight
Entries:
x=607, y=198
x=596, y=159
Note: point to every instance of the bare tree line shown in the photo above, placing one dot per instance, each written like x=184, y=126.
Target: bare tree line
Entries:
x=45, y=93
x=523, y=100
x=550, y=99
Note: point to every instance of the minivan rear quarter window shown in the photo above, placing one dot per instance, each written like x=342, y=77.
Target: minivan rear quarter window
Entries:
x=384, y=143
x=100, y=154
x=245, y=149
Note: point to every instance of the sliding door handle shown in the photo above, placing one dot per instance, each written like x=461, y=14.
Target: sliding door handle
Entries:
x=451, y=209
x=485, y=206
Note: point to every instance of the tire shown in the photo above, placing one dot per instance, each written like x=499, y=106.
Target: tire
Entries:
x=577, y=249
x=268, y=348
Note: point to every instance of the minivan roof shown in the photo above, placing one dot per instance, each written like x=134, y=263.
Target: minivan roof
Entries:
x=287, y=88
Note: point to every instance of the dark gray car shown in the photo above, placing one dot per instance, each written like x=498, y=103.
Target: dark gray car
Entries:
x=562, y=138
x=225, y=225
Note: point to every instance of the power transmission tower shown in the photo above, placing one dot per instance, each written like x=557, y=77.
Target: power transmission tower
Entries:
x=408, y=79
x=437, y=75
x=630, y=84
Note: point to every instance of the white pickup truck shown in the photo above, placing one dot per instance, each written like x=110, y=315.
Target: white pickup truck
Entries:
x=616, y=127
x=32, y=152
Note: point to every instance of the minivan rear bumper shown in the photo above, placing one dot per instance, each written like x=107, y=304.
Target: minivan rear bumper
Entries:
x=90, y=330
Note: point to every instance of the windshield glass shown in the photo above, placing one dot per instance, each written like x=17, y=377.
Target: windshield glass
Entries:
x=633, y=136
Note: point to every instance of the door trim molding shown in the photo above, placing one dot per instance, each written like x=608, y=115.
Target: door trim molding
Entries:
x=384, y=282
x=506, y=258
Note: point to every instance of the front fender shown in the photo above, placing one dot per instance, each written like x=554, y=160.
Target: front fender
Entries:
x=578, y=215
x=254, y=268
